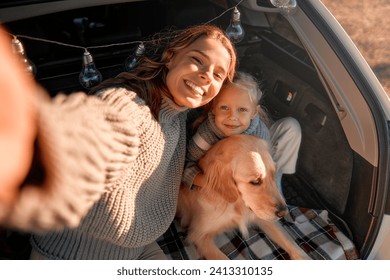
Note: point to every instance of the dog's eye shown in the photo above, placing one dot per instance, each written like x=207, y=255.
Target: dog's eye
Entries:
x=256, y=182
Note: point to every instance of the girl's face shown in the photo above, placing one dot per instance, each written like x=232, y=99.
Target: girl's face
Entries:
x=233, y=110
x=197, y=72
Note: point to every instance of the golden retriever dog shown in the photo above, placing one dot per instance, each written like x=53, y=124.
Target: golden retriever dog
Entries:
x=239, y=190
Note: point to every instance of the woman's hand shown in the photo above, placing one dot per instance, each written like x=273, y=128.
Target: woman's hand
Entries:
x=17, y=121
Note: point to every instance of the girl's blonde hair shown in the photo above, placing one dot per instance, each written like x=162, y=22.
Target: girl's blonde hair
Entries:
x=250, y=84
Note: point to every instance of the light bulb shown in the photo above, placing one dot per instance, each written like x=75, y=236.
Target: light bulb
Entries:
x=89, y=76
x=18, y=49
x=235, y=31
x=280, y=3
x=287, y=6
x=132, y=60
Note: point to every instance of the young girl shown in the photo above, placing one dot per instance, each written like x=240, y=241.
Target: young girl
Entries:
x=102, y=198
x=236, y=110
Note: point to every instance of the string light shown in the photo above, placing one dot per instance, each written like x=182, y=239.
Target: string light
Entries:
x=91, y=76
x=279, y=3
x=286, y=6
x=235, y=31
x=132, y=60
x=18, y=49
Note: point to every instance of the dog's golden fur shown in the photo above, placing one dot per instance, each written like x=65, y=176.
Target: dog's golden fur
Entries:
x=240, y=190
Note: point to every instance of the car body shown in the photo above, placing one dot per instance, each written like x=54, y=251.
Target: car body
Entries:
x=310, y=68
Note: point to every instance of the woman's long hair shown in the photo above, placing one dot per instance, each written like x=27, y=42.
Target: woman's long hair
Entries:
x=148, y=78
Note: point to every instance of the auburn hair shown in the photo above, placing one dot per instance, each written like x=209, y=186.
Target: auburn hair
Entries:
x=148, y=78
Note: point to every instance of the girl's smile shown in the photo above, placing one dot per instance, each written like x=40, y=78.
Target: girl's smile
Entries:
x=233, y=110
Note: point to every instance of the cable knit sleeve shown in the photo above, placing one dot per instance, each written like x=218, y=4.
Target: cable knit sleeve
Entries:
x=198, y=145
x=83, y=144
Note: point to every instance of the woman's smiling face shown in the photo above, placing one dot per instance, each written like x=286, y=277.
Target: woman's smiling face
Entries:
x=197, y=72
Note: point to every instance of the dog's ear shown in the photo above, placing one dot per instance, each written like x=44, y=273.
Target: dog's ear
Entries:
x=219, y=179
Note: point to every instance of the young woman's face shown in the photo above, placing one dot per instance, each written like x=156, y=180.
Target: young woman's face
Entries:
x=197, y=72
x=233, y=110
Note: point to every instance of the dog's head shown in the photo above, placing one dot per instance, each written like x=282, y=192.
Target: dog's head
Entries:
x=241, y=167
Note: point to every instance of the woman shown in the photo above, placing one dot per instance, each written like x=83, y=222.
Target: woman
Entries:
x=120, y=215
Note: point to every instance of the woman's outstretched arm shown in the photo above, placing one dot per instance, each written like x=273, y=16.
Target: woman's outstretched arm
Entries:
x=58, y=156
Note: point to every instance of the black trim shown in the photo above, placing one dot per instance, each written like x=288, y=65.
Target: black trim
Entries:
x=16, y=3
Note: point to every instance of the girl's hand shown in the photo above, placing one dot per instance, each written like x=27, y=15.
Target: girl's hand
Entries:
x=199, y=180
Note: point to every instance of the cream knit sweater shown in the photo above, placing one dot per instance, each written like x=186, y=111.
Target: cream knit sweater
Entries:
x=106, y=198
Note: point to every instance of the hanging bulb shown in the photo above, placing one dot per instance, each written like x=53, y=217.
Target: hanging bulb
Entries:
x=18, y=49
x=279, y=3
x=286, y=6
x=89, y=76
x=235, y=31
x=132, y=60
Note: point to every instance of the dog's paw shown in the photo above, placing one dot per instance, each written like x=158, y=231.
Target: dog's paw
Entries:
x=216, y=257
x=300, y=256
x=213, y=255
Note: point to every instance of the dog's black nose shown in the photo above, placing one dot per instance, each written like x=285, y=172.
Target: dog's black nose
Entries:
x=282, y=211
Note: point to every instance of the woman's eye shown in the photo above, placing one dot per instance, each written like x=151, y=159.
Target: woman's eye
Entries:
x=219, y=76
x=197, y=60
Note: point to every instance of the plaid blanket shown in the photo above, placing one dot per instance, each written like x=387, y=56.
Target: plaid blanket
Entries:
x=311, y=229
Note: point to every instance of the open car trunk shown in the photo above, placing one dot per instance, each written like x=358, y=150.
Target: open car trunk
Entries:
x=304, y=71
